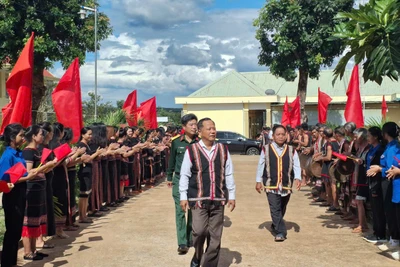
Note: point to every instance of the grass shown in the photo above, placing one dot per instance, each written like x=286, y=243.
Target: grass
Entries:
x=2, y=226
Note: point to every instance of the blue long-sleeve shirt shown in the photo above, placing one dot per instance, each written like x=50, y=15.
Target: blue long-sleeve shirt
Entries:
x=396, y=180
x=388, y=156
x=9, y=158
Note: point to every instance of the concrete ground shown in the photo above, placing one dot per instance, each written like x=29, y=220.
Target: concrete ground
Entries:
x=142, y=233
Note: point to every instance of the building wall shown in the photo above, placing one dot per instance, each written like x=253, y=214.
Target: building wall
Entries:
x=3, y=98
x=227, y=117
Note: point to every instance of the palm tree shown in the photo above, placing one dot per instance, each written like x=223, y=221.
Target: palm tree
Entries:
x=372, y=33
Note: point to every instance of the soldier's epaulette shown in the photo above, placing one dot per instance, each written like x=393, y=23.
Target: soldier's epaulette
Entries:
x=175, y=137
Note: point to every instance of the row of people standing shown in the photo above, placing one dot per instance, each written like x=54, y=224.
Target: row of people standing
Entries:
x=370, y=173
x=110, y=164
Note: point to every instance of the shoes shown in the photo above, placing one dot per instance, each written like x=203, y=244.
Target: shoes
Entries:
x=103, y=208
x=396, y=255
x=373, y=239
x=183, y=249
x=195, y=262
x=44, y=255
x=280, y=238
x=388, y=246
x=333, y=208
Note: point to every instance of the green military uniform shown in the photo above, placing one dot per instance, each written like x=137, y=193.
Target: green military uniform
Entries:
x=178, y=149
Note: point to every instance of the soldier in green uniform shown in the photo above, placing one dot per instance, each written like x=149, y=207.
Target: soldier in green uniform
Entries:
x=178, y=148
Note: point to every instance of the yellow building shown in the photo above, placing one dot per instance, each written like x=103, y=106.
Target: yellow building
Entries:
x=244, y=102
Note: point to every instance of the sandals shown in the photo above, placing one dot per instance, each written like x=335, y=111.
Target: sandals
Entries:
x=279, y=238
x=359, y=230
x=70, y=228
x=41, y=254
x=333, y=208
x=62, y=236
x=46, y=246
x=33, y=257
x=319, y=200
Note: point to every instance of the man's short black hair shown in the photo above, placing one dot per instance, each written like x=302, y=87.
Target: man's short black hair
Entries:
x=200, y=123
x=188, y=117
x=266, y=128
x=304, y=126
x=328, y=132
x=277, y=126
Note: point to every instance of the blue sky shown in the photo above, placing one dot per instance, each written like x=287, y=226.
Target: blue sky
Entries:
x=169, y=48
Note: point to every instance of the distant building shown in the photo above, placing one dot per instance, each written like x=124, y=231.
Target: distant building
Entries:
x=244, y=102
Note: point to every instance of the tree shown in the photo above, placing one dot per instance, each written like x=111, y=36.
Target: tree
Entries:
x=294, y=34
x=372, y=33
x=60, y=35
x=103, y=109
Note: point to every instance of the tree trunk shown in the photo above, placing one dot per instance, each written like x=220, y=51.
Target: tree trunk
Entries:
x=302, y=92
x=38, y=91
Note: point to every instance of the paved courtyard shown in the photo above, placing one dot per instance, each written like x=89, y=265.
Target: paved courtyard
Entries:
x=142, y=233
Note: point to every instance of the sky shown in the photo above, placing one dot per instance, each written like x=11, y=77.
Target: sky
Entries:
x=169, y=48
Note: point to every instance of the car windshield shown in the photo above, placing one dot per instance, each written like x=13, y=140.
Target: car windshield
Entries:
x=229, y=135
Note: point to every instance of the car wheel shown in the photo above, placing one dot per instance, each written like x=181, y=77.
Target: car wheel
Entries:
x=252, y=151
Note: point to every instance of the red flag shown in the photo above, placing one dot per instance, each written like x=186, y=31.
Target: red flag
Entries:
x=353, y=111
x=67, y=100
x=384, y=108
x=323, y=102
x=339, y=156
x=62, y=151
x=16, y=172
x=148, y=112
x=4, y=187
x=295, y=113
x=130, y=107
x=45, y=154
x=286, y=114
x=19, y=88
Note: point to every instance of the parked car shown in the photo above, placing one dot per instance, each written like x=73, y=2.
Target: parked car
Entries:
x=238, y=144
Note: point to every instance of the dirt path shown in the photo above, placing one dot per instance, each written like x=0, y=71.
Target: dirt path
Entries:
x=142, y=233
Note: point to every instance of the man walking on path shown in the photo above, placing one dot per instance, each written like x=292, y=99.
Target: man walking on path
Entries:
x=178, y=148
x=278, y=165
x=206, y=185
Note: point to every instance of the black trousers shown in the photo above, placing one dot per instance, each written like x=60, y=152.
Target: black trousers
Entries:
x=14, y=208
x=277, y=207
x=387, y=190
x=378, y=214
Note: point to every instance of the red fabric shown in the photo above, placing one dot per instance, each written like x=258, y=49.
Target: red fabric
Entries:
x=130, y=107
x=34, y=232
x=16, y=172
x=62, y=151
x=45, y=154
x=384, y=108
x=148, y=112
x=295, y=113
x=354, y=108
x=323, y=102
x=339, y=156
x=19, y=88
x=4, y=187
x=67, y=100
x=286, y=114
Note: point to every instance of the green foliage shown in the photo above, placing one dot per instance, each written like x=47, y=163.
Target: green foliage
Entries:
x=372, y=33
x=60, y=33
x=294, y=35
x=103, y=108
x=173, y=114
x=57, y=210
x=115, y=118
x=374, y=121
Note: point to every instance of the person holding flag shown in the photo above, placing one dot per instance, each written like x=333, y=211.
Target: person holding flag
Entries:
x=13, y=202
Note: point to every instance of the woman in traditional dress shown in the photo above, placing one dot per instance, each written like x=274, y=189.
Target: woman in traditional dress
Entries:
x=14, y=202
x=35, y=219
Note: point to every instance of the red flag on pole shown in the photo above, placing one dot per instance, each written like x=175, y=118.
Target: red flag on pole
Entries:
x=45, y=154
x=354, y=108
x=323, y=102
x=286, y=114
x=130, y=107
x=148, y=112
x=295, y=113
x=384, y=108
x=19, y=88
x=67, y=100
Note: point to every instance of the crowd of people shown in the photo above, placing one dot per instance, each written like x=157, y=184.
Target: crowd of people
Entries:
x=104, y=168
x=353, y=170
